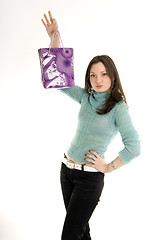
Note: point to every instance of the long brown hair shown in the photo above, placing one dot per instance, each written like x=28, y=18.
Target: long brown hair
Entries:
x=117, y=93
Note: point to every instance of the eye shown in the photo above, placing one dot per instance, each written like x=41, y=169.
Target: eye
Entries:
x=104, y=74
x=92, y=75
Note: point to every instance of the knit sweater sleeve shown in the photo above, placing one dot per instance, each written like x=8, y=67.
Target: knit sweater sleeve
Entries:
x=76, y=93
x=128, y=133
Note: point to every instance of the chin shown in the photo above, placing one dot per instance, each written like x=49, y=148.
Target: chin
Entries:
x=101, y=90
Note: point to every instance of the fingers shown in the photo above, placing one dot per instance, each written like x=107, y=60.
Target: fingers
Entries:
x=89, y=165
x=51, y=18
x=44, y=23
x=94, y=153
x=89, y=160
x=47, y=21
x=91, y=156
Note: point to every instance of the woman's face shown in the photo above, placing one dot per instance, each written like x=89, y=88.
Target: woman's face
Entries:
x=99, y=79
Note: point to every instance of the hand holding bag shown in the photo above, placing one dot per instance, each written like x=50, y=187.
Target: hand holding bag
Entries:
x=56, y=64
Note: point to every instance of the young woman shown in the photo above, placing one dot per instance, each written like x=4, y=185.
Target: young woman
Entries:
x=103, y=113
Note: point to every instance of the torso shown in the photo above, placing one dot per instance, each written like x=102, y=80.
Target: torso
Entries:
x=73, y=160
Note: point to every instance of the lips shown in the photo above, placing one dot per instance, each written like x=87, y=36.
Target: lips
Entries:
x=99, y=86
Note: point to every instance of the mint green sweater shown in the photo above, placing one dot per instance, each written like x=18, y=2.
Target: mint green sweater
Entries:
x=95, y=132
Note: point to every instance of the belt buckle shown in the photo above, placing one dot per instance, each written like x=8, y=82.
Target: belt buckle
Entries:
x=70, y=165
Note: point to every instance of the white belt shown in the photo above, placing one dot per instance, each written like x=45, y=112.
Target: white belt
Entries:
x=73, y=165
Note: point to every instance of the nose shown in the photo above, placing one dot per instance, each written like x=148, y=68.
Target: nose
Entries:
x=98, y=79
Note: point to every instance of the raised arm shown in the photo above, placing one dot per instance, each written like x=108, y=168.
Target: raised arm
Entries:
x=51, y=27
x=76, y=93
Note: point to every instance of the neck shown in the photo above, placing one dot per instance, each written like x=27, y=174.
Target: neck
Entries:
x=97, y=99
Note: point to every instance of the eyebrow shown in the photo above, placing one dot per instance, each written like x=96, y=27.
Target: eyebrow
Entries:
x=101, y=71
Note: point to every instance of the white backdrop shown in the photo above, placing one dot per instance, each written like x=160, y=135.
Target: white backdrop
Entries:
x=37, y=125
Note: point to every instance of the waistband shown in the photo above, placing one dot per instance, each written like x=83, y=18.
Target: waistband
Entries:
x=72, y=165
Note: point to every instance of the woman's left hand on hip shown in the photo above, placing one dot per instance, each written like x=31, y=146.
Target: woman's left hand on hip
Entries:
x=98, y=162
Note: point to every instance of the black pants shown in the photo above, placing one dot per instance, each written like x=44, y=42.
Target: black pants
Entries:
x=81, y=192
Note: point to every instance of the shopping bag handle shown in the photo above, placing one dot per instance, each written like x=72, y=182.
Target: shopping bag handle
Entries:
x=60, y=40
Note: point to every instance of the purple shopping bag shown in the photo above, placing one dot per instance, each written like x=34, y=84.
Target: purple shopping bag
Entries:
x=57, y=68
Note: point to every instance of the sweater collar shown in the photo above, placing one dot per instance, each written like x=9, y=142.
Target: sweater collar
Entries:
x=97, y=99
